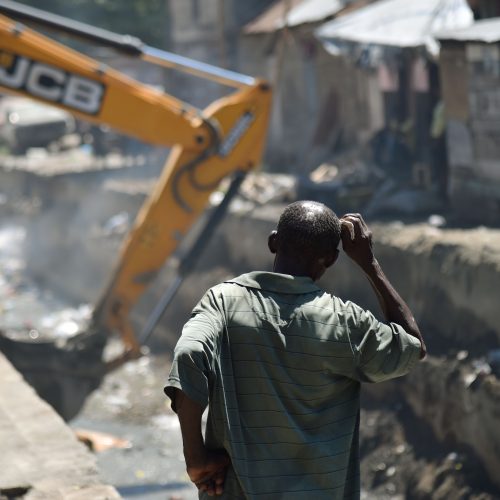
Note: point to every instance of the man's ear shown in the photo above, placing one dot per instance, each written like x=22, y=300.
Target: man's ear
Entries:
x=332, y=258
x=272, y=242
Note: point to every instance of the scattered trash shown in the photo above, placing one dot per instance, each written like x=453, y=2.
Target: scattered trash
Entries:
x=65, y=323
x=67, y=329
x=264, y=188
x=494, y=361
x=118, y=224
x=324, y=173
x=391, y=488
x=343, y=188
x=481, y=366
x=436, y=220
x=480, y=369
x=99, y=441
x=33, y=334
x=391, y=471
x=462, y=355
x=469, y=379
x=400, y=449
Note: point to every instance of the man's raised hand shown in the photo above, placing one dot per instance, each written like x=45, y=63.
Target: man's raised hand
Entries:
x=357, y=239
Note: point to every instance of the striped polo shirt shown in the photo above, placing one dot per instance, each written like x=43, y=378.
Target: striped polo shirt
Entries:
x=279, y=363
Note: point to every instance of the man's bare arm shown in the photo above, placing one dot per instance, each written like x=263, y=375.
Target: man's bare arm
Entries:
x=205, y=468
x=357, y=244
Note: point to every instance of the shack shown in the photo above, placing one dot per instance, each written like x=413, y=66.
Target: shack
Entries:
x=470, y=74
x=320, y=102
x=394, y=41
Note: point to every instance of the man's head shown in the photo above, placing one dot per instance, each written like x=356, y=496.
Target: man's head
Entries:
x=306, y=239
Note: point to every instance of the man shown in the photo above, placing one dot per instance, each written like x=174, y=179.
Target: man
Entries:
x=279, y=363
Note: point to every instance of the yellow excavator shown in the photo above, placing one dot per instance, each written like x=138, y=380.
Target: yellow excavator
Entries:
x=224, y=140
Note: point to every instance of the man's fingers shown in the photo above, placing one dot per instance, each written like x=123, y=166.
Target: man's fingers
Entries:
x=347, y=225
x=213, y=485
x=208, y=487
x=219, y=478
x=359, y=226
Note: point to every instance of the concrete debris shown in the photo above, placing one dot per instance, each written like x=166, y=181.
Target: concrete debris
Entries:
x=436, y=220
x=41, y=458
x=266, y=188
x=324, y=173
x=118, y=224
x=344, y=187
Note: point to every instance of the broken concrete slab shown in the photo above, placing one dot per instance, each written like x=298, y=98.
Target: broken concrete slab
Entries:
x=41, y=457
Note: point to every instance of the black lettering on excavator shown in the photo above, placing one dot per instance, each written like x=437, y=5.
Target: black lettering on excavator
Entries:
x=51, y=84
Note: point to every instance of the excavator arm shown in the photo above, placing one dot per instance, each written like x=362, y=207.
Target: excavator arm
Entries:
x=207, y=146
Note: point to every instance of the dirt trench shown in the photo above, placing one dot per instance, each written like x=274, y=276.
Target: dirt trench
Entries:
x=432, y=434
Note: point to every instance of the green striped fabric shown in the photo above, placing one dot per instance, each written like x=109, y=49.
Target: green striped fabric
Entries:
x=279, y=362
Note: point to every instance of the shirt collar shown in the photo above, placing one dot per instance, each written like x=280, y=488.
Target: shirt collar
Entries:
x=275, y=282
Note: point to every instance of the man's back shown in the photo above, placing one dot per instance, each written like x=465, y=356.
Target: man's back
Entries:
x=283, y=382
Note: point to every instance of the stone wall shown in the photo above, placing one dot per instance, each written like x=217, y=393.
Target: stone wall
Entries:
x=41, y=457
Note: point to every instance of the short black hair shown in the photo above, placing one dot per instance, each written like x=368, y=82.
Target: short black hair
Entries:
x=308, y=229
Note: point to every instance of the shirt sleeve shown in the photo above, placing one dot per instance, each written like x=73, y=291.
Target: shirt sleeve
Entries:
x=194, y=354
x=382, y=350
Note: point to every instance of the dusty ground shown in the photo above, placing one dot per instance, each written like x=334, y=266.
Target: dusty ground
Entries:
x=130, y=405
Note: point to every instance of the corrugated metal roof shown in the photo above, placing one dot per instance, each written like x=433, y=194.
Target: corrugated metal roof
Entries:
x=311, y=11
x=300, y=12
x=271, y=19
x=487, y=30
x=400, y=23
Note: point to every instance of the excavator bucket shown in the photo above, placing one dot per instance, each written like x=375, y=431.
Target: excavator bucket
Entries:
x=63, y=375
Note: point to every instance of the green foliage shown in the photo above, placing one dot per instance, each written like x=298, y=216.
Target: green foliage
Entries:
x=146, y=19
